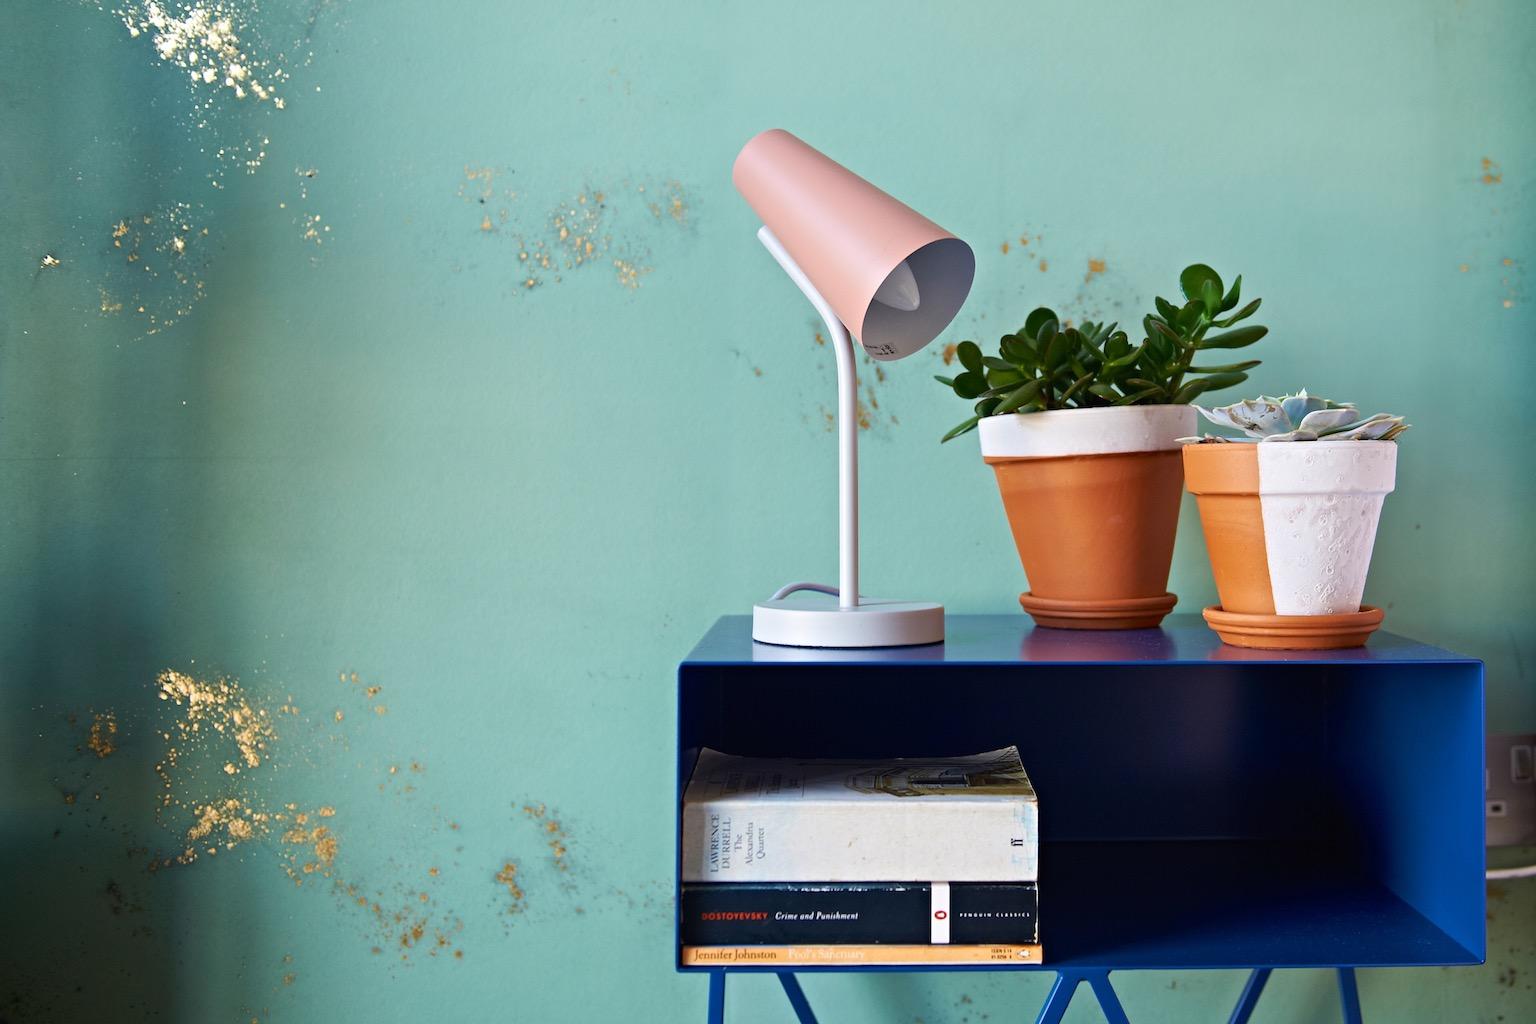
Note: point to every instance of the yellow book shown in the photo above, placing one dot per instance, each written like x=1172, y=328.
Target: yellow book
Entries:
x=870, y=955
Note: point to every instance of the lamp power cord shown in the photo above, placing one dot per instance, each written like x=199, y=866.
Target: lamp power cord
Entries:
x=1524, y=871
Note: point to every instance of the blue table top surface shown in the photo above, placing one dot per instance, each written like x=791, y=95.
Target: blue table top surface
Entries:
x=1014, y=639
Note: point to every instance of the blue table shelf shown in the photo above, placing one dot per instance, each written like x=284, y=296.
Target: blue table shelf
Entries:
x=1202, y=806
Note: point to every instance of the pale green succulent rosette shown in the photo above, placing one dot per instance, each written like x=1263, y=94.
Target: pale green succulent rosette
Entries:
x=1299, y=417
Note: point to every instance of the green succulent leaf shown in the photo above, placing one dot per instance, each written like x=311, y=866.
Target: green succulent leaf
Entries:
x=963, y=428
x=1235, y=338
x=1194, y=277
x=1038, y=319
x=1200, y=385
x=1190, y=314
x=970, y=355
x=1139, y=396
x=1021, y=395
x=994, y=363
x=948, y=382
x=1231, y=299
x=1056, y=353
x=1003, y=378
x=1210, y=297
x=1044, y=335
x=1242, y=314
x=1228, y=368
x=1077, y=386
x=1018, y=351
x=970, y=384
x=1156, y=327
x=986, y=407
x=1167, y=309
x=1128, y=359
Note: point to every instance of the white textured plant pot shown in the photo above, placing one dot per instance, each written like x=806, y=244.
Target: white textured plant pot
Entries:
x=1321, y=502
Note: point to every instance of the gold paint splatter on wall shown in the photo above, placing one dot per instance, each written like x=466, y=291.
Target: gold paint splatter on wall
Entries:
x=1512, y=280
x=1492, y=174
x=215, y=46
x=102, y=740
x=230, y=748
x=225, y=824
x=311, y=226
x=310, y=844
x=554, y=835
x=1029, y=248
x=479, y=186
x=219, y=720
x=234, y=62
x=604, y=226
x=672, y=203
x=506, y=877
x=629, y=274
x=204, y=40
x=219, y=705
x=1095, y=267
x=868, y=413
x=160, y=256
x=949, y=352
x=369, y=693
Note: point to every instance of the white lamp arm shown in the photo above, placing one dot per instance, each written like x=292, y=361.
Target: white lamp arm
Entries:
x=847, y=425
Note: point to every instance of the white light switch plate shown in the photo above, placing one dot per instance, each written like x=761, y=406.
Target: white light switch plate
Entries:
x=1511, y=790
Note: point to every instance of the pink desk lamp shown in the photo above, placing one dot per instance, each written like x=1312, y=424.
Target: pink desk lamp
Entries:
x=896, y=279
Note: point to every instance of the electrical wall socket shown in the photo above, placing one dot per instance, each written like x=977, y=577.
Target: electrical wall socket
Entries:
x=1510, y=783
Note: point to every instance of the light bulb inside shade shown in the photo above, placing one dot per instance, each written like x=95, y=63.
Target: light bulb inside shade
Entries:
x=899, y=291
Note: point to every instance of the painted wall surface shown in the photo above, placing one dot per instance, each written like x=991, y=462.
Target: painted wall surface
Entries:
x=391, y=393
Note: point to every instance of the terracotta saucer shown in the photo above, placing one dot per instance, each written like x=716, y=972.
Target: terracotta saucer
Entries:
x=1294, y=632
x=1126, y=613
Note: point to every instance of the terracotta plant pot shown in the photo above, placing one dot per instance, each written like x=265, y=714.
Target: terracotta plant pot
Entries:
x=1289, y=526
x=1092, y=497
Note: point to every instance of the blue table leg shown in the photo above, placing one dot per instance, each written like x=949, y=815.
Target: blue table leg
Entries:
x=1250, y=996
x=716, y=997
x=797, y=998
x=1349, y=995
x=1108, y=1001
x=1061, y=994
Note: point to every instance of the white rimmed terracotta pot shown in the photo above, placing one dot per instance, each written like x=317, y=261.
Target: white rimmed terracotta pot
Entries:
x=1289, y=526
x=1092, y=497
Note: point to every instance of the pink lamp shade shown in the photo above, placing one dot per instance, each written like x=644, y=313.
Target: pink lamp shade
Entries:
x=850, y=238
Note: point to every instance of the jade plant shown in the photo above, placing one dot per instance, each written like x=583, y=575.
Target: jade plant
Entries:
x=1050, y=364
x=1300, y=417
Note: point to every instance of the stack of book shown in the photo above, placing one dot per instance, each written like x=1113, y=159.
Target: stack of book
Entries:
x=881, y=862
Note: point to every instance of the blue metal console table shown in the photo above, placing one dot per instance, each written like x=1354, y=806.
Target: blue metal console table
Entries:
x=1202, y=806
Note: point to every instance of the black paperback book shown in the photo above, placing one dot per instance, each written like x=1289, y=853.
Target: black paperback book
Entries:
x=781, y=913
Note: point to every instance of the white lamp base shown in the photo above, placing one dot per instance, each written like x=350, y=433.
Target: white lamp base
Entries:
x=809, y=622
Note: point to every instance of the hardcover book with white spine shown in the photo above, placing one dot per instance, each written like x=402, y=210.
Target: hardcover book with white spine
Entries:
x=965, y=819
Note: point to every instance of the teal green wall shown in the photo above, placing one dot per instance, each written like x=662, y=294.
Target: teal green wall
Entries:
x=513, y=509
